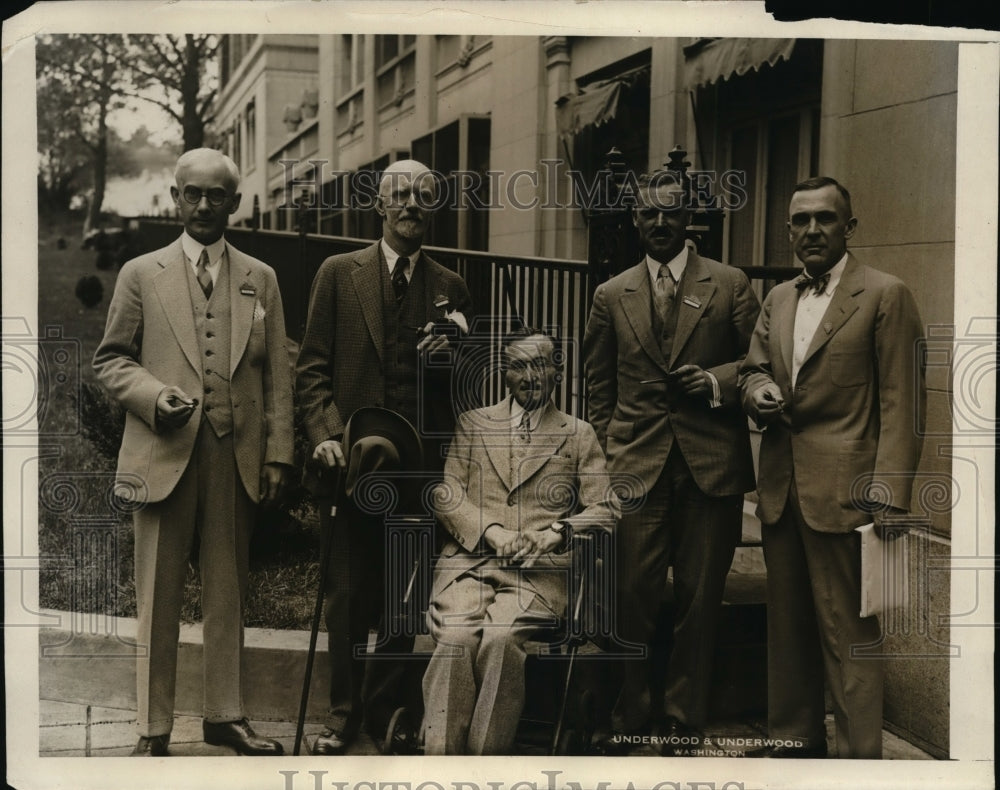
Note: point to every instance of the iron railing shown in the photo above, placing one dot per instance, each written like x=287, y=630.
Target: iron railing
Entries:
x=544, y=293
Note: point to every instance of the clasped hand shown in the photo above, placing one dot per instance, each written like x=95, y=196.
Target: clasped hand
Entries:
x=521, y=547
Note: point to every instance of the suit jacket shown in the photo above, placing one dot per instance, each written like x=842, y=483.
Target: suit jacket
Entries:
x=636, y=422
x=340, y=361
x=856, y=415
x=150, y=343
x=562, y=476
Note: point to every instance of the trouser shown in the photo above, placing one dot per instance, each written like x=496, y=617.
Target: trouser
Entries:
x=210, y=505
x=474, y=684
x=813, y=627
x=679, y=526
x=363, y=688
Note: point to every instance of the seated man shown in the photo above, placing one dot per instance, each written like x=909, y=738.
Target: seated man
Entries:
x=519, y=477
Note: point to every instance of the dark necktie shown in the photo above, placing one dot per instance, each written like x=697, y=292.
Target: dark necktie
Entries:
x=525, y=427
x=399, y=282
x=204, y=278
x=817, y=284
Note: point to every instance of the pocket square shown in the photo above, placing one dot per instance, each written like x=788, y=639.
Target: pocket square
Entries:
x=258, y=311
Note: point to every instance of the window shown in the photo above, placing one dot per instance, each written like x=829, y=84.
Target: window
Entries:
x=238, y=140
x=767, y=124
x=628, y=130
x=251, y=142
x=394, y=68
x=463, y=145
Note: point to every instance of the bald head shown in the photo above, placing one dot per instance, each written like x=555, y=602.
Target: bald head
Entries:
x=206, y=192
x=207, y=160
x=407, y=195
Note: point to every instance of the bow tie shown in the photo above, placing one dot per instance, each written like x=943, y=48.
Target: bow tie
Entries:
x=818, y=284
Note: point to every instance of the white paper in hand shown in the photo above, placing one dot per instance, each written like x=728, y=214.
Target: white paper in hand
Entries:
x=885, y=583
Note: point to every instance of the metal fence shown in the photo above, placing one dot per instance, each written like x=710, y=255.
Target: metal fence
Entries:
x=544, y=293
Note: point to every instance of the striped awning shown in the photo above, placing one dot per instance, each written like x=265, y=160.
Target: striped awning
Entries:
x=594, y=104
x=710, y=59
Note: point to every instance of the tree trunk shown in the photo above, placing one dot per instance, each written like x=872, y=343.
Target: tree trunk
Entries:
x=100, y=152
x=194, y=126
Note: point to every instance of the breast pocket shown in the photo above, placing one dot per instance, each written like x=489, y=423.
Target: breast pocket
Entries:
x=850, y=367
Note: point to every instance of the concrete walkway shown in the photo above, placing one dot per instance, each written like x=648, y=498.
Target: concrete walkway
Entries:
x=70, y=729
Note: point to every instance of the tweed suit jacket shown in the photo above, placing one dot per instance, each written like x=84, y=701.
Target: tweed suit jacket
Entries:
x=561, y=476
x=637, y=422
x=150, y=343
x=857, y=412
x=340, y=364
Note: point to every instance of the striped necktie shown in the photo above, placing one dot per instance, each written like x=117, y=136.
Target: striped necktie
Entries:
x=204, y=278
x=665, y=290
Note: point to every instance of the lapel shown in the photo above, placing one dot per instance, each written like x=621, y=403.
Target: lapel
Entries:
x=698, y=288
x=546, y=439
x=783, y=327
x=496, y=439
x=842, y=306
x=241, y=306
x=635, y=302
x=368, y=284
x=171, y=286
x=434, y=287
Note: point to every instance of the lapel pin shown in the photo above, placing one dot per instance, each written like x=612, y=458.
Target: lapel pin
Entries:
x=690, y=300
x=828, y=327
x=248, y=290
x=441, y=301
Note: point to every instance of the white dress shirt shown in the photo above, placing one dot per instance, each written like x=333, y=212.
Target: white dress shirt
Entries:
x=808, y=314
x=192, y=251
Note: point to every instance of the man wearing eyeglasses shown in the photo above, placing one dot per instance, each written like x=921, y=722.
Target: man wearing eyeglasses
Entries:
x=662, y=348
x=194, y=350
x=384, y=327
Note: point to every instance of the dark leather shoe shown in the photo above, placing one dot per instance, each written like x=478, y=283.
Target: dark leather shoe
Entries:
x=330, y=742
x=240, y=736
x=814, y=752
x=676, y=739
x=152, y=746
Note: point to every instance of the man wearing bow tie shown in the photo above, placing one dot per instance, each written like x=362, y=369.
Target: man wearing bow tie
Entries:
x=383, y=324
x=835, y=379
x=194, y=349
x=662, y=349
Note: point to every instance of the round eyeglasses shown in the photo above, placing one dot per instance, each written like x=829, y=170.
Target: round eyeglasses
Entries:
x=216, y=196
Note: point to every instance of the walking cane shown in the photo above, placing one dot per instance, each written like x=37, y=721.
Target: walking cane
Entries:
x=319, y=487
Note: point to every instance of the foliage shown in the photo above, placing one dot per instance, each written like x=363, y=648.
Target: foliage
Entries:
x=81, y=79
x=182, y=68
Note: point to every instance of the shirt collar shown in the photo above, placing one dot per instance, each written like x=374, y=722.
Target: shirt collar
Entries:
x=676, y=265
x=835, y=272
x=192, y=249
x=391, y=256
x=516, y=410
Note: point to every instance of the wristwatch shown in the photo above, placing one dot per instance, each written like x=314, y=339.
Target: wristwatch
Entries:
x=565, y=530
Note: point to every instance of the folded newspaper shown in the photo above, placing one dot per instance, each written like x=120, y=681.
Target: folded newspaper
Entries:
x=885, y=583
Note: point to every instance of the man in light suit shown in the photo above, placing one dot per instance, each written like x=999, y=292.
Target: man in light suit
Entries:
x=662, y=348
x=520, y=476
x=194, y=350
x=834, y=376
x=383, y=329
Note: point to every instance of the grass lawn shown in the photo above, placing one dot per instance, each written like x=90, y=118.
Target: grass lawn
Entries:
x=84, y=535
